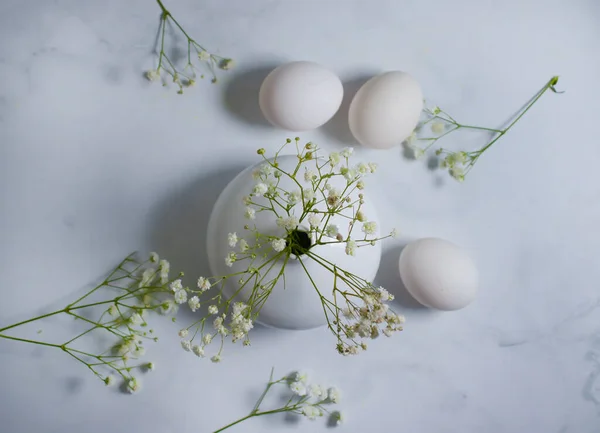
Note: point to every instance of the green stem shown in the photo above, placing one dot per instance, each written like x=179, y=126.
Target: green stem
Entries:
x=32, y=320
x=269, y=412
x=262, y=396
x=31, y=341
x=478, y=127
x=548, y=85
x=168, y=14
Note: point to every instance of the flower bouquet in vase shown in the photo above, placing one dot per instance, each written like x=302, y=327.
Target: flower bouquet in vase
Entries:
x=294, y=243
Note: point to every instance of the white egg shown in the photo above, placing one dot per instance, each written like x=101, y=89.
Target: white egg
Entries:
x=299, y=96
x=439, y=274
x=386, y=110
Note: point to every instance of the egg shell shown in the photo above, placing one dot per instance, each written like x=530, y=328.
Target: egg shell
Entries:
x=300, y=96
x=438, y=274
x=386, y=110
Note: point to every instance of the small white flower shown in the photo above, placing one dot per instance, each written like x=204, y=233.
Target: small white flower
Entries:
x=372, y=167
x=186, y=345
x=213, y=309
x=369, y=228
x=194, y=303
x=232, y=239
x=152, y=75
x=216, y=359
x=333, y=394
x=203, y=284
x=314, y=220
x=154, y=257
x=243, y=246
x=316, y=391
x=350, y=248
x=347, y=152
x=147, y=277
x=311, y=412
x=133, y=385
x=298, y=388
x=294, y=197
x=113, y=310
x=136, y=319
x=363, y=168
x=260, y=189
x=309, y=194
x=457, y=173
x=198, y=351
x=207, y=339
x=384, y=295
x=309, y=175
x=289, y=223
x=147, y=300
x=438, y=127
x=247, y=200
x=139, y=352
x=334, y=159
x=168, y=307
x=180, y=296
x=204, y=55
x=349, y=174
x=250, y=213
x=360, y=216
x=418, y=152
x=360, y=185
x=176, y=285
x=332, y=230
x=301, y=377
x=163, y=268
x=183, y=333
x=239, y=308
x=151, y=366
x=230, y=259
x=278, y=245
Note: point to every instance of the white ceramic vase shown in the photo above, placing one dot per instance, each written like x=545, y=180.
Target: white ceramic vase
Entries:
x=294, y=302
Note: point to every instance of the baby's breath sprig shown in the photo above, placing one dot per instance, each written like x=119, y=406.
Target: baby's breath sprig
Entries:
x=307, y=216
x=306, y=399
x=187, y=76
x=441, y=124
x=140, y=287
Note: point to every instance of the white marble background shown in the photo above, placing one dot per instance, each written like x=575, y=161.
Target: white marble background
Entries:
x=96, y=162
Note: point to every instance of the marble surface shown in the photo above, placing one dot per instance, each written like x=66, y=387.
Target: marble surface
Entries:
x=96, y=162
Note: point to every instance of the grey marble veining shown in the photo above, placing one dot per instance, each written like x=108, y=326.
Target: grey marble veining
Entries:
x=96, y=162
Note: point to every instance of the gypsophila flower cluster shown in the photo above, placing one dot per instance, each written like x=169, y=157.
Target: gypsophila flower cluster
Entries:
x=325, y=206
x=167, y=69
x=435, y=124
x=138, y=288
x=306, y=399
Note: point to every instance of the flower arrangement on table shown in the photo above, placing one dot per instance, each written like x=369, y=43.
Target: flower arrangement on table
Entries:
x=354, y=308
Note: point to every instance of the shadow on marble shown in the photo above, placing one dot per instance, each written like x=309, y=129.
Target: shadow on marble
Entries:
x=337, y=128
x=178, y=230
x=241, y=95
x=389, y=277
